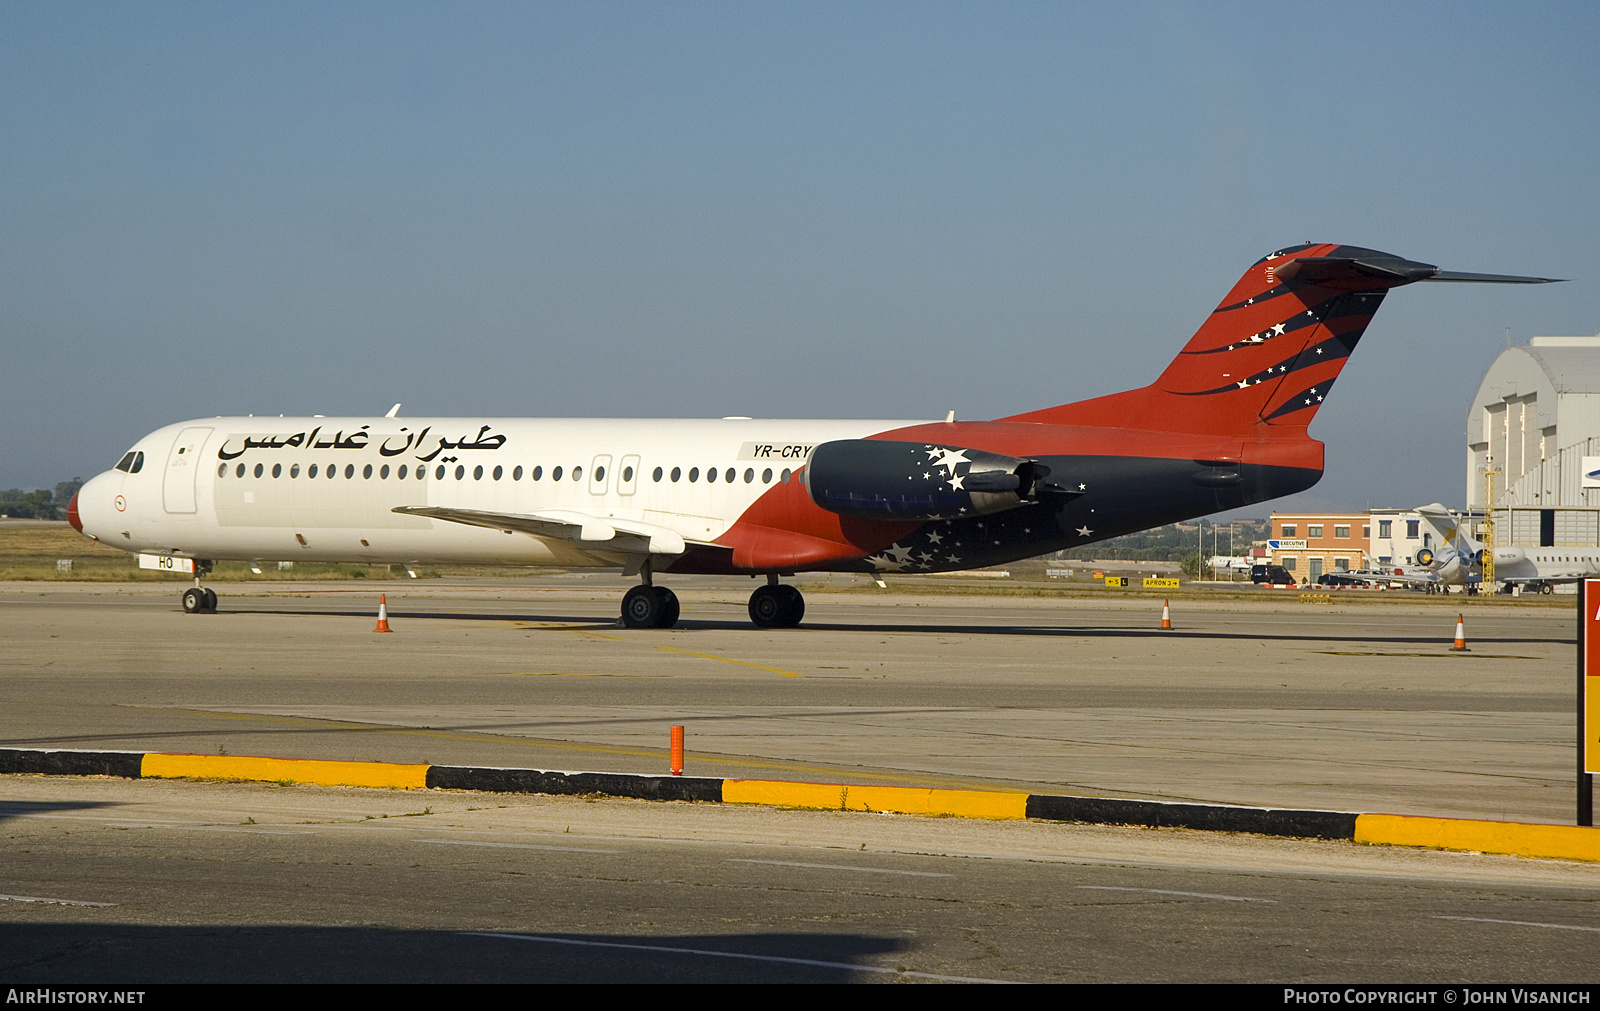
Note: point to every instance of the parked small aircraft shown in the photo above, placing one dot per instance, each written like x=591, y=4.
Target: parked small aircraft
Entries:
x=1458, y=561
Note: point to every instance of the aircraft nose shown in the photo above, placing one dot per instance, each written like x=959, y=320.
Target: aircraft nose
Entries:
x=72, y=514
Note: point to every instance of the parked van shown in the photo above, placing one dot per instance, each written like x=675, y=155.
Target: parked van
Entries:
x=1271, y=574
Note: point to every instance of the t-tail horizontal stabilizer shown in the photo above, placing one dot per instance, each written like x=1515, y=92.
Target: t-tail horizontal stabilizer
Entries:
x=1388, y=271
x=1456, y=275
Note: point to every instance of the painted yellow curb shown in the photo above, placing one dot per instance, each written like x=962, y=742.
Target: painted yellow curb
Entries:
x=278, y=770
x=1567, y=842
x=899, y=799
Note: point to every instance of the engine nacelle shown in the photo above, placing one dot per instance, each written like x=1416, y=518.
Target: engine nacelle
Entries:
x=881, y=480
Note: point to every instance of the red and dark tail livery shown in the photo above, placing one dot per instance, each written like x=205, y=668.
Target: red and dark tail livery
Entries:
x=1268, y=355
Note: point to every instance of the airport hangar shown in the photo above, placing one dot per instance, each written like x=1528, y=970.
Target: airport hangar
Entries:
x=1535, y=421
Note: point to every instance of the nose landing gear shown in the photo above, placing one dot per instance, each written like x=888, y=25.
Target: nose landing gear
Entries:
x=199, y=599
x=776, y=605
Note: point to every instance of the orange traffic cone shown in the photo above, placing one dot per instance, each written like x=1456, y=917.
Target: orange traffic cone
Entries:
x=1166, y=614
x=383, y=614
x=1461, y=636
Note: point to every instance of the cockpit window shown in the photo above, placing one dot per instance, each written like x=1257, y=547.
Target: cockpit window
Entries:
x=132, y=463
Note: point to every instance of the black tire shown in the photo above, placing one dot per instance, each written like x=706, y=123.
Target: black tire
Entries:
x=210, y=606
x=766, y=607
x=669, y=607
x=776, y=606
x=1547, y=588
x=795, y=603
x=641, y=608
x=194, y=600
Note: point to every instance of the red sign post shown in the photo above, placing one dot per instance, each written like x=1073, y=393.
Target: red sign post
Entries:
x=1588, y=696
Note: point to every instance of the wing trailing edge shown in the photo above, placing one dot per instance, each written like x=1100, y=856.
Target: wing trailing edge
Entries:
x=586, y=530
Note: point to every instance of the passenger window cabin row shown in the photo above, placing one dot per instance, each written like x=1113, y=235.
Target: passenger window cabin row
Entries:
x=440, y=472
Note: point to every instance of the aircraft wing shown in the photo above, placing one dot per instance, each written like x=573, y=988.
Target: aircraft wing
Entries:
x=1552, y=580
x=583, y=529
x=1413, y=579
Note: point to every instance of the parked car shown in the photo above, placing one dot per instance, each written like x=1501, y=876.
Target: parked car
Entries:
x=1271, y=574
x=1341, y=579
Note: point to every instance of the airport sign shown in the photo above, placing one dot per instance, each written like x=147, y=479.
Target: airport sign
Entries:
x=1591, y=472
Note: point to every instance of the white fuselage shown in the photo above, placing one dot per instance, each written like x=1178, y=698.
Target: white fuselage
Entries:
x=1529, y=564
x=323, y=489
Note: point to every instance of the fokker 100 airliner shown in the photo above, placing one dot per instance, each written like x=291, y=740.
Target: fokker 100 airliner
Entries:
x=1223, y=426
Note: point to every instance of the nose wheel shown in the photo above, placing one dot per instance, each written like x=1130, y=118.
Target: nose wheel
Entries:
x=199, y=600
x=777, y=605
x=650, y=607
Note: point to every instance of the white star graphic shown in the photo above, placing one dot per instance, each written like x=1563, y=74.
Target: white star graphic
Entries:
x=1277, y=328
x=1084, y=531
x=955, y=482
x=898, y=553
x=1083, y=487
x=933, y=537
x=948, y=460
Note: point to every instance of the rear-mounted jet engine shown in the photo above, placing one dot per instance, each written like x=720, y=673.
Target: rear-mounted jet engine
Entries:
x=882, y=480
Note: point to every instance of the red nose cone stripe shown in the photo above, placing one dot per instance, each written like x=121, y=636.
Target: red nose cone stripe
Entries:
x=72, y=514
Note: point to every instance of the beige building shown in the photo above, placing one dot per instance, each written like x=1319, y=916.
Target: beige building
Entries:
x=1309, y=544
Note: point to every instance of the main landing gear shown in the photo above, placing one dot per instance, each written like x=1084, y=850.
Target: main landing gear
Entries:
x=771, y=606
x=199, y=599
x=647, y=606
x=776, y=605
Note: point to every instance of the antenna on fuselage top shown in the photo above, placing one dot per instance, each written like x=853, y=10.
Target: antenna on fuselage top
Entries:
x=394, y=412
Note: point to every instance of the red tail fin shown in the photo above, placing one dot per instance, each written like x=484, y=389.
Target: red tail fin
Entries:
x=1267, y=355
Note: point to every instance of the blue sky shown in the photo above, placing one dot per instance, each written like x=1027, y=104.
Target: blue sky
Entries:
x=804, y=210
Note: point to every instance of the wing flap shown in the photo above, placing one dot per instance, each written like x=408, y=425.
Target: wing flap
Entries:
x=581, y=528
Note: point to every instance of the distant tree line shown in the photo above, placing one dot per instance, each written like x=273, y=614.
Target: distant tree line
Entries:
x=39, y=504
